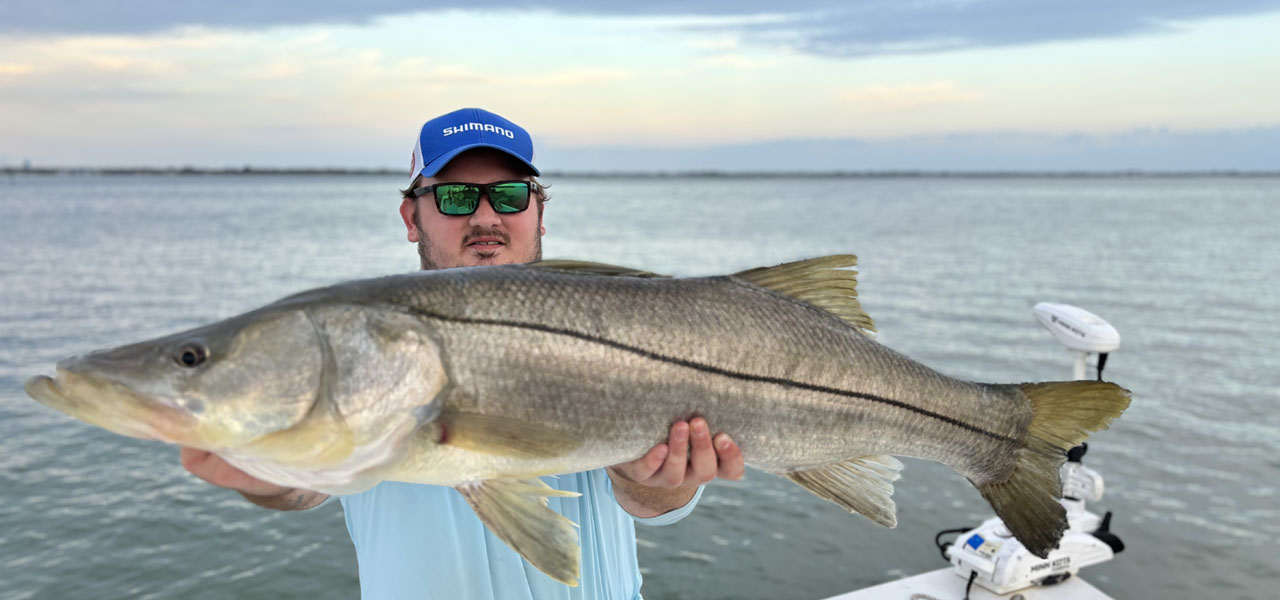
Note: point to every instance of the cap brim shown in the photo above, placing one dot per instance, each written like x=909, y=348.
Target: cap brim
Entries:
x=430, y=169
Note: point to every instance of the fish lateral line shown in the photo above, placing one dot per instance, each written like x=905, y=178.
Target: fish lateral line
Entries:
x=722, y=371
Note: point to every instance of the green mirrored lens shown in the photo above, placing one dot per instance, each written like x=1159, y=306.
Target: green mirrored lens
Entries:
x=509, y=197
x=457, y=199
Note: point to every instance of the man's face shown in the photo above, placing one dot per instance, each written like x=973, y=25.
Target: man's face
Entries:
x=482, y=238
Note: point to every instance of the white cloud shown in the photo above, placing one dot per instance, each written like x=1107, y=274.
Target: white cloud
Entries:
x=333, y=91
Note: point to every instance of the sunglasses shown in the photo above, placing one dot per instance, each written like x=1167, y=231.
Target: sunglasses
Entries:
x=461, y=199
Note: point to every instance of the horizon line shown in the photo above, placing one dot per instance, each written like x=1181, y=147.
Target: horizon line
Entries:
x=618, y=174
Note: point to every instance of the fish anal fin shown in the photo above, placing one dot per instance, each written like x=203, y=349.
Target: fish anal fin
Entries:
x=516, y=511
x=823, y=282
x=1063, y=414
x=593, y=268
x=863, y=485
x=503, y=436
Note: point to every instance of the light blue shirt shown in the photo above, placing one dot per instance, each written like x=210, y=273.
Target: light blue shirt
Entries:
x=424, y=542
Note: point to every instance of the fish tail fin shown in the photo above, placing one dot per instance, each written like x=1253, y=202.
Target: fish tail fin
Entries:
x=1064, y=413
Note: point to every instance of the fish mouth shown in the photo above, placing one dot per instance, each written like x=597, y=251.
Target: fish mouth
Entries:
x=113, y=406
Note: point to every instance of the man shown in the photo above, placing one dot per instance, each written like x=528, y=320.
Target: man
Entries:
x=420, y=541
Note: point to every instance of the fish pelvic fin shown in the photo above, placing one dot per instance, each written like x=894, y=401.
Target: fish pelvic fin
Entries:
x=1063, y=415
x=503, y=436
x=823, y=282
x=516, y=511
x=862, y=485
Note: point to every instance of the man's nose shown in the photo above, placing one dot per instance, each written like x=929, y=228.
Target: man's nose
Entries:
x=485, y=215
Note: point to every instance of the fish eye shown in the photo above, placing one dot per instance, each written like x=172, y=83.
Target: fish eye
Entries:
x=191, y=355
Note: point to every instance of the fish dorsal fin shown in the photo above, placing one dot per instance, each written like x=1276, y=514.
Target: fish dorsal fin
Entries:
x=823, y=282
x=593, y=268
x=863, y=485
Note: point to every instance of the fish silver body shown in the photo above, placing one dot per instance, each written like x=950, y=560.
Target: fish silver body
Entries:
x=485, y=378
x=614, y=361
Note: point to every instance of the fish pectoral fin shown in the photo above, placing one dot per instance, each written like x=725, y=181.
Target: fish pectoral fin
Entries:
x=504, y=436
x=593, y=268
x=863, y=485
x=822, y=282
x=516, y=511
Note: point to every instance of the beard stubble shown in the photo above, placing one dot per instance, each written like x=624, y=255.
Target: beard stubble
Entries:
x=425, y=246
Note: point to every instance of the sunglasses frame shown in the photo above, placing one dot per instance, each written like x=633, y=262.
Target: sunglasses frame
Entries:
x=486, y=190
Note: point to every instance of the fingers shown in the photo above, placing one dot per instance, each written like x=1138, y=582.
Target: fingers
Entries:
x=642, y=470
x=197, y=463
x=191, y=458
x=208, y=466
x=702, y=457
x=731, y=464
x=695, y=457
x=213, y=469
x=673, y=468
x=691, y=456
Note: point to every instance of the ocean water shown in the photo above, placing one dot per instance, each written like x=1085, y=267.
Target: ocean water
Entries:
x=1185, y=269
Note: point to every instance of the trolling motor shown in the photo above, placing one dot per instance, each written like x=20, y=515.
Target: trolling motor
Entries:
x=1081, y=331
x=989, y=555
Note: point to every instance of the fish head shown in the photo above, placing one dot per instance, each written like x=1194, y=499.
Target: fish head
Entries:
x=215, y=387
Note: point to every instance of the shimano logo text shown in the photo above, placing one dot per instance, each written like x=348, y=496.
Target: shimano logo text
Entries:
x=448, y=131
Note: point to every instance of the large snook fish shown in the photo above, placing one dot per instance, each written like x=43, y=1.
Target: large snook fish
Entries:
x=485, y=378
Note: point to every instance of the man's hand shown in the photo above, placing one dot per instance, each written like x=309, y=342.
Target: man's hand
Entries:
x=690, y=457
x=211, y=468
x=668, y=476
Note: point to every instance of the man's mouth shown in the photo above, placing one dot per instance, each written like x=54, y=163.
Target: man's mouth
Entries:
x=485, y=243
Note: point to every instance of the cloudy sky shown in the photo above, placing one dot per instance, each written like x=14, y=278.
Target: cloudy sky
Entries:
x=664, y=85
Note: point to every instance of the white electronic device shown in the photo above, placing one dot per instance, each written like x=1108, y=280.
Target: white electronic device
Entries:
x=1081, y=331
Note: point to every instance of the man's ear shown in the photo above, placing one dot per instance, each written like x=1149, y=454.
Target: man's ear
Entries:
x=542, y=228
x=409, y=212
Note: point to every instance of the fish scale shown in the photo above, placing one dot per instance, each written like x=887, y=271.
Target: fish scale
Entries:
x=789, y=346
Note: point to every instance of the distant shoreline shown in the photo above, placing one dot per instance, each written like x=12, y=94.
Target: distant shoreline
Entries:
x=885, y=174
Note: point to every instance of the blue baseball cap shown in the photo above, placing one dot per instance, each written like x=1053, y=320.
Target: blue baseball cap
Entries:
x=447, y=136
